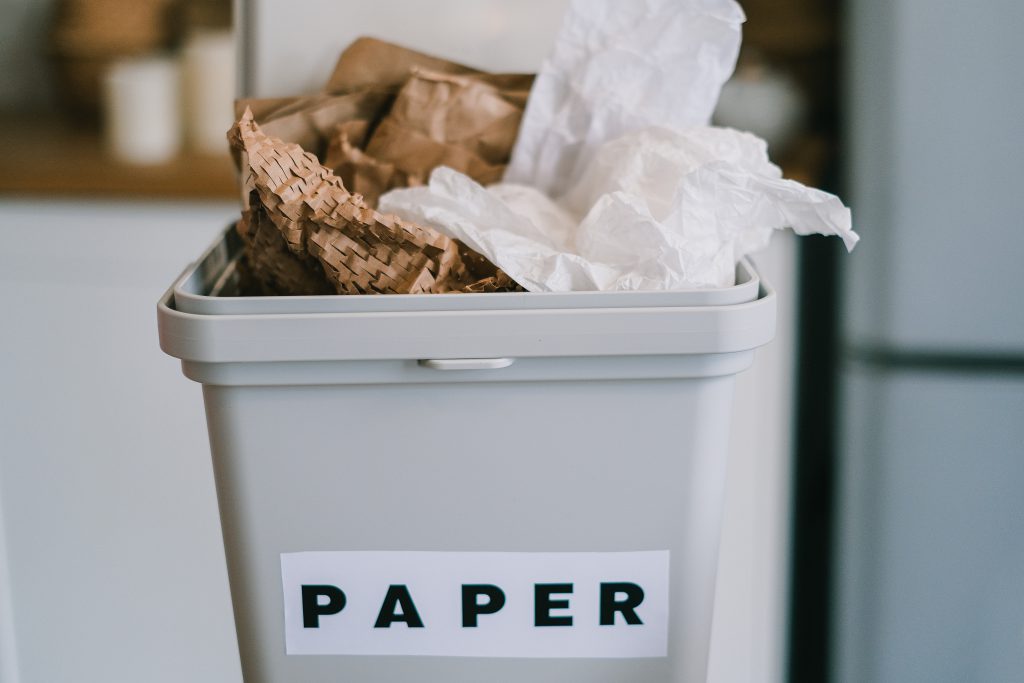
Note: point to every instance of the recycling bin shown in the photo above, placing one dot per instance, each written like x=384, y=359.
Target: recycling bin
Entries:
x=520, y=487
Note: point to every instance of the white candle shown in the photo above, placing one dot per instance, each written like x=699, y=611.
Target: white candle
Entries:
x=208, y=72
x=143, y=110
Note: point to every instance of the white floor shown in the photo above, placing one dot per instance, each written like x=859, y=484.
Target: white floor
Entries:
x=111, y=563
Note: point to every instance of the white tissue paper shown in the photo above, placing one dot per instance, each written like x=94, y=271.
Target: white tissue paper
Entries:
x=616, y=181
x=617, y=67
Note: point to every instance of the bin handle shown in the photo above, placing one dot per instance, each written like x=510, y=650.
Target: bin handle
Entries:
x=467, y=363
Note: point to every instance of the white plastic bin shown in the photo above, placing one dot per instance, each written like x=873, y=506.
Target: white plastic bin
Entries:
x=558, y=447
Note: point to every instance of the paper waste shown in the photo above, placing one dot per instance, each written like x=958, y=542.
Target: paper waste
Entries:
x=305, y=232
x=616, y=181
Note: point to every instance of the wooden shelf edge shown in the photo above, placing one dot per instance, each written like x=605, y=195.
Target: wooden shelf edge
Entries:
x=45, y=157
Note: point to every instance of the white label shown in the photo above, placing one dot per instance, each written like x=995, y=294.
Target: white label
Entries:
x=477, y=604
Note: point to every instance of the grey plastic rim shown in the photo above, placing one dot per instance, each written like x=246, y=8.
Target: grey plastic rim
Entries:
x=205, y=288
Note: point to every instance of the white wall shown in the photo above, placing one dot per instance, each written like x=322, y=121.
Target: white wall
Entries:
x=294, y=45
x=8, y=646
x=114, y=557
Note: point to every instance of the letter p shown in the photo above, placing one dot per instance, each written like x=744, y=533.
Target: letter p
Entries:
x=471, y=605
x=313, y=607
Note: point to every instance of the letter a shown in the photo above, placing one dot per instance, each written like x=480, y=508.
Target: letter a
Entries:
x=398, y=596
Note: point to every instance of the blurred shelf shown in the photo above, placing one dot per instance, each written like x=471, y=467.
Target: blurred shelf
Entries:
x=45, y=156
x=807, y=159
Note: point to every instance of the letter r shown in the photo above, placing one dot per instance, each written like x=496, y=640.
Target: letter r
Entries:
x=610, y=604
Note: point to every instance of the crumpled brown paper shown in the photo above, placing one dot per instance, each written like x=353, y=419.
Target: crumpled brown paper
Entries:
x=305, y=232
x=389, y=115
x=436, y=120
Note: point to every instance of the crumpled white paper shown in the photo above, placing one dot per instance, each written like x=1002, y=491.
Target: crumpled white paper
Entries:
x=657, y=209
x=618, y=66
x=646, y=195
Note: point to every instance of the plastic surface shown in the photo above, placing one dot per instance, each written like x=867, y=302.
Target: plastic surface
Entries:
x=209, y=287
x=942, y=248
x=601, y=427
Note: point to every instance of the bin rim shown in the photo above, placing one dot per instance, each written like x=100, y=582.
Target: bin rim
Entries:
x=513, y=333
x=198, y=290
